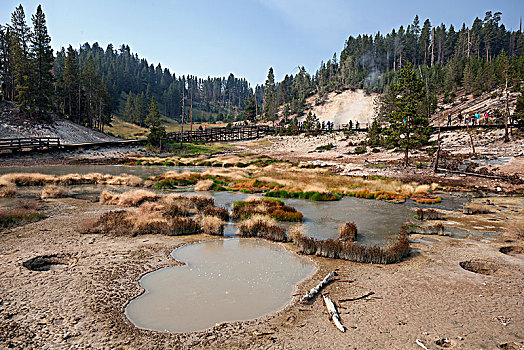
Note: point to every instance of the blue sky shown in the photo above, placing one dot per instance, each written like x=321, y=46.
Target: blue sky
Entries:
x=245, y=37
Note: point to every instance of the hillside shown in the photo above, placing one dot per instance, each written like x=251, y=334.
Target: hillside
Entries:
x=357, y=105
x=343, y=107
x=14, y=125
x=492, y=102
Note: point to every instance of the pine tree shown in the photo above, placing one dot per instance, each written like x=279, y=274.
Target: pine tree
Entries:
x=311, y=122
x=519, y=111
x=250, y=108
x=128, y=109
x=408, y=124
x=42, y=54
x=154, y=121
x=19, y=52
x=71, y=83
x=90, y=83
x=268, y=105
x=6, y=72
x=104, y=106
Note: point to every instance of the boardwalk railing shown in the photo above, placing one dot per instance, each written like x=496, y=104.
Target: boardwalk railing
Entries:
x=32, y=143
x=235, y=133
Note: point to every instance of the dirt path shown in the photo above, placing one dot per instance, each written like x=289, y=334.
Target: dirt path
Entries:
x=80, y=304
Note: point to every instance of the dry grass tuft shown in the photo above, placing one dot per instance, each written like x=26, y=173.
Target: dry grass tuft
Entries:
x=429, y=214
x=218, y=212
x=262, y=226
x=53, y=191
x=177, y=205
x=172, y=215
x=8, y=190
x=27, y=179
x=274, y=208
x=134, y=222
x=36, y=179
x=213, y=225
x=128, y=199
x=23, y=213
x=338, y=249
x=348, y=232
x=472, y=208
x=204, y=185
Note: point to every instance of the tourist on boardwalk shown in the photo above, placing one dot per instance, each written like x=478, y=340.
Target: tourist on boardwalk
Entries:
x=350, y=124
x=486, y=118
x=449, y=119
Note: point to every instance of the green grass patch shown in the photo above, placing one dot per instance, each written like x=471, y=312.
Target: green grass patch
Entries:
x=325, y=147
x=311, y=195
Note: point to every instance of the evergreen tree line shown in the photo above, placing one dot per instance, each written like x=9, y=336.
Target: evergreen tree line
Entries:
x=31, y=76
x=132, y=82
x=88, y=84
x=477, y=58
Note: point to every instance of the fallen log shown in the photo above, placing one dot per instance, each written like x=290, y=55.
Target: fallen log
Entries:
x=333, y=313
x=314, y=291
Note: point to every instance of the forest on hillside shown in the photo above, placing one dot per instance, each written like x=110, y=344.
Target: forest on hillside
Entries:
x=477, y=57
x=90, y=84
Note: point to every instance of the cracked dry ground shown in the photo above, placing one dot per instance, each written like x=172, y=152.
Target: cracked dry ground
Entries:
x=80, y=302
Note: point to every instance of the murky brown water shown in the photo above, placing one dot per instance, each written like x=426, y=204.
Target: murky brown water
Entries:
x=376, y=221
x=224, y=280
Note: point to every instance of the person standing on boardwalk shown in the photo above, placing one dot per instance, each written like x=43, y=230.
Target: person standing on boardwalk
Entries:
x=449, y=119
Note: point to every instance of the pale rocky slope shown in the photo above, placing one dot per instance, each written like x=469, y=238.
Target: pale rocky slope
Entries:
x=345, y=106
x=13, y=125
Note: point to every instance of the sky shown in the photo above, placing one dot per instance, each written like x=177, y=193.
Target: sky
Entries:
x=243, y=37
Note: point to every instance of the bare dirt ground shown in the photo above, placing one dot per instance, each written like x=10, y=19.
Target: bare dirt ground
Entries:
x=429, y=296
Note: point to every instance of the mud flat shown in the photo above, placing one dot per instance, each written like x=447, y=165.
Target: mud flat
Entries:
x=62, y=288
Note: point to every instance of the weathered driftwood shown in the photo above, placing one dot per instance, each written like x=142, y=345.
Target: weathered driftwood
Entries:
x=333, y=313
x=421, y=344
x=314, y=291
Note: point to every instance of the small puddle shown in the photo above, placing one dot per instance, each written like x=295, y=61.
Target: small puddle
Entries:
x=223, y=281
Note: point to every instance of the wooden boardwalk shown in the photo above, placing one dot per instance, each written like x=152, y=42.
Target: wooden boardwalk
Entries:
x=29, y=143
x=235, y=133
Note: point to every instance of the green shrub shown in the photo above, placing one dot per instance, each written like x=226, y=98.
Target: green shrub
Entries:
x=325, y=147
x=360, y=149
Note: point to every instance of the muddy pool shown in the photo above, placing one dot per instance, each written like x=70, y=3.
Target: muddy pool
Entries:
x=223, y=280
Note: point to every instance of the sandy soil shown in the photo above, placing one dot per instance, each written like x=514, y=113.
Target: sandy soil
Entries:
x=427, y=297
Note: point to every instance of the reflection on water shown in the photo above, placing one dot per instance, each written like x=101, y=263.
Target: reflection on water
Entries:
x=141, y=171
x=376, y=221
x=224, y=280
